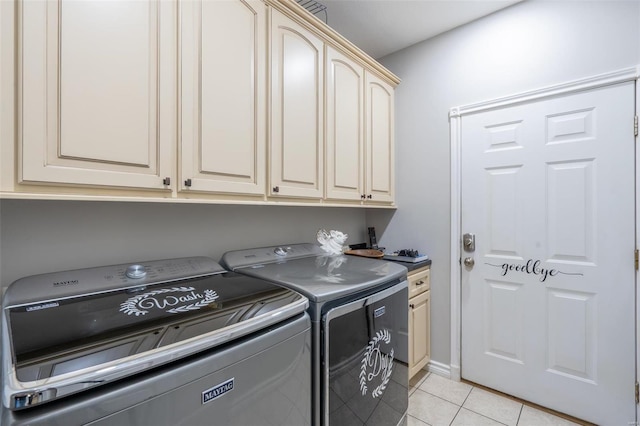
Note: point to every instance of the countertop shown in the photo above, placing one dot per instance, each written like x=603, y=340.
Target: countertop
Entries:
x=410, y=265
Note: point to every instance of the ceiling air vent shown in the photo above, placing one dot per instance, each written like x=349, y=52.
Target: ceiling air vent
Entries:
x=315, y=8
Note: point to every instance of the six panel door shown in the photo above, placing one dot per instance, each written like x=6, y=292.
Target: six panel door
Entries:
x=548, y=308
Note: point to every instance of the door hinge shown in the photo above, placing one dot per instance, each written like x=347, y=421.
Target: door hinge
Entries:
x=635, y=125
x=637, y=257
x=637, y=393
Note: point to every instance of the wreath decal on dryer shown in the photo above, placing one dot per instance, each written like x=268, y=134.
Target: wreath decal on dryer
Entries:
x=140, y=305
x=381, y=363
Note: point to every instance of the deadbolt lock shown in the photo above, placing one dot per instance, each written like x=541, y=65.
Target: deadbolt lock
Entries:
x=469, y=242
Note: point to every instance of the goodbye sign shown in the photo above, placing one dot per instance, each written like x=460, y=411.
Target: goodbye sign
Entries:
x=531, y=267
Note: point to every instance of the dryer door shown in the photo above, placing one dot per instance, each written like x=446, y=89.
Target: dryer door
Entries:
x=365, y=350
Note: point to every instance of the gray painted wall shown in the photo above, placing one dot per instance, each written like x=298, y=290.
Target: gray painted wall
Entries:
x=46, y=236
x=527, y=46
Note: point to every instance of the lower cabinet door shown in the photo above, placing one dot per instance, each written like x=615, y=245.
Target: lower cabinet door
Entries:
x=419, y=332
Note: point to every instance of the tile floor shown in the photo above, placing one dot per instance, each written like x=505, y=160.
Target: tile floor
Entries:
x=435, y=401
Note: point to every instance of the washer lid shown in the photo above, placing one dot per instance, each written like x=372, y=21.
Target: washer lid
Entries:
x=59, y=346
x=322, y=278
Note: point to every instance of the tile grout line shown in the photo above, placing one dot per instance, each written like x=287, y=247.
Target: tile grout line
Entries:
x=487, y=417
x=454, y=417
x=482, y=415
x=520, y=414
x=563, y=416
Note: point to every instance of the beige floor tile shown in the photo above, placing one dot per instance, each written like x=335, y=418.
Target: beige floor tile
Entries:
x=412, y=421
x=431, y=409
x=534, y=417
x=494, y=406
x=469, y=418
x=450, y=390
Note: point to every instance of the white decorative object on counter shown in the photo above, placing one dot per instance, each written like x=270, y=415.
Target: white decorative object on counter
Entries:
x=332, y=241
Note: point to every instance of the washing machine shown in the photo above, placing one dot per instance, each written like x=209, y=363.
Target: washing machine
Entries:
x=168, y=342
x=359, y=313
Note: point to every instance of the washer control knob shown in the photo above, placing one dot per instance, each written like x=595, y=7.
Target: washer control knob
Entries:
x=136, y=272
x=280, y=251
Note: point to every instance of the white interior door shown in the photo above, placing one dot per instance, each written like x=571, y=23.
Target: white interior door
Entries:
x=548, y=308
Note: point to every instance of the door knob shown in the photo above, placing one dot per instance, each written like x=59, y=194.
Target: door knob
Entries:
x=469, y=262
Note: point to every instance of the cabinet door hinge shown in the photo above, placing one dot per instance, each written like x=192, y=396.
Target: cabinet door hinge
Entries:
x=637, y=257
x=635, y=125
x=637, y=393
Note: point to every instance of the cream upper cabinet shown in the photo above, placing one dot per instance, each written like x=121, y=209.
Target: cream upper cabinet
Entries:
x=359, y=133
x=345, y=127
x=223, y=97
x=211, y=100
x=96, y=92
x=379, y=145
x=297, y=142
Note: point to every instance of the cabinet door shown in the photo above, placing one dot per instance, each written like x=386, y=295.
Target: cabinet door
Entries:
x=297, y=144
x=223, y=99
x=345, y=127
x=379, y=116
x=419, y=332
x=97, y=86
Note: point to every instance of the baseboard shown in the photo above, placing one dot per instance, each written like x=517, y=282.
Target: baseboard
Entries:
x=440, y=369
x=455, y=373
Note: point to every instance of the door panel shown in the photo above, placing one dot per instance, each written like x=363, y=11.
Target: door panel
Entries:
x=223, y=60
x=571, y=331
x=345, y=127
x=504, y=319
x=83, y=120
x=379, y=163
x=297, y=140
x=548, y=309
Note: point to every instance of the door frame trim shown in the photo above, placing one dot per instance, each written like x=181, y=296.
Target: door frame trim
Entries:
x=455, y=138
x=637, y=231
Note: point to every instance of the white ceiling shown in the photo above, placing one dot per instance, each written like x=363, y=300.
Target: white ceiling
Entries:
x=380, y=27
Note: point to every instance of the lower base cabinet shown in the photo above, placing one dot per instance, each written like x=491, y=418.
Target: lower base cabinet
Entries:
x=419, y=319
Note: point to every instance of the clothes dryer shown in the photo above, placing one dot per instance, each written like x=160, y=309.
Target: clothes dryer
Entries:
x=359, y=312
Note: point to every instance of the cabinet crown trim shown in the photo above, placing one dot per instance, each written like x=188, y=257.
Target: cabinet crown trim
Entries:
x=292, y=9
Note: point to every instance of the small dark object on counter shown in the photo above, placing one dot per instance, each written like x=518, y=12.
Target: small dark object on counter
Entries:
x=358, y=246
x=408, y=253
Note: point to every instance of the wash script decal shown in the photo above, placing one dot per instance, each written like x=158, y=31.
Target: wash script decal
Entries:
x=172, y=300
x=532, y=267
x=376, y=363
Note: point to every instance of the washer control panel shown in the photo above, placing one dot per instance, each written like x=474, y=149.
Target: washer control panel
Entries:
x=257, y=256
x=136, y=272
x=281, y=251
x=59, y=285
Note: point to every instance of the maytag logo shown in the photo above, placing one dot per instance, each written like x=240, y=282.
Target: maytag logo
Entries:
x=61, y=283
x=217, y=391
x=43, y=306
